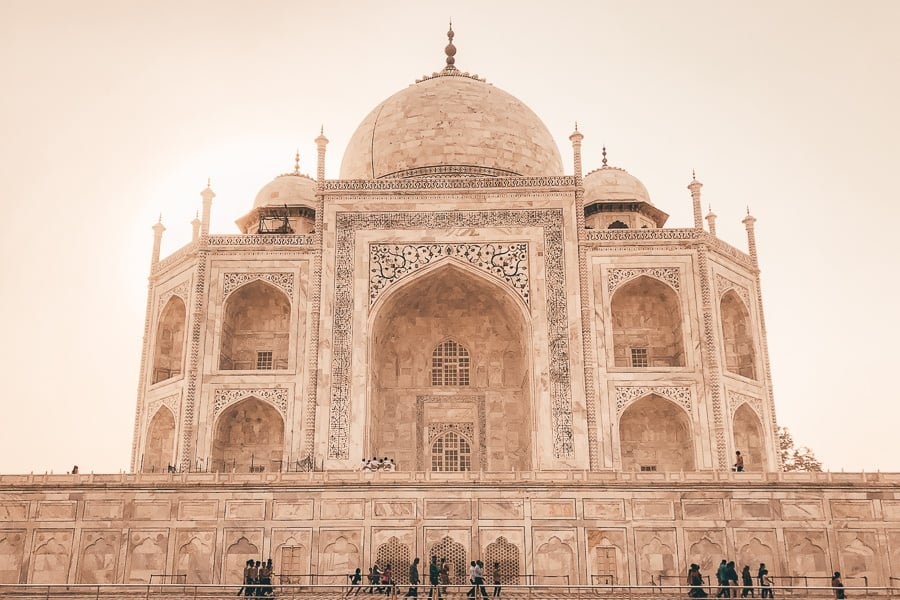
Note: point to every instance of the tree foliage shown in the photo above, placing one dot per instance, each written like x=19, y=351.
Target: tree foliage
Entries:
x=796, y=459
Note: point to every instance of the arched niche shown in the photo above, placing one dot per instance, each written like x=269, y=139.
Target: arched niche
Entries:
x=255, y=332
x=159, y=447
x=737, y=336
x=749, y=439
x=169, y=348
x=655, y=435
x=647, y=325
x=450, y=305
x=249, y=434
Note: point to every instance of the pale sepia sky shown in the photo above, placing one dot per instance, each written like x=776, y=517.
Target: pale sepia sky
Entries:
x=112, y=112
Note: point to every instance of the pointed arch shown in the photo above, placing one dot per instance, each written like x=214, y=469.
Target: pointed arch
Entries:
x=255, y=328
x=396, y=554
x=450, y=347
x=159, y=443
x=655, y=435
x=508, y=555
x=451, y=452
x=236, y=556
x=749, y=438
x=168, y=349
x=455, y=554
x=737, y=336
x=647, y=325
x=248, y=435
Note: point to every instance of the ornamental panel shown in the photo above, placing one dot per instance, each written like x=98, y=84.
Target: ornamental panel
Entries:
x=625, y=395
x=390, y=263
x=181, y=290
x=284, y=281
x=668, y=275
x=723, y=285
x=278, y=397
x=735, y=399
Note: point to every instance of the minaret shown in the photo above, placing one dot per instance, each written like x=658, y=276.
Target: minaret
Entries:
x=576, y=138
x=207, y=196
x=321, y=142
x=695, y=186
x=748, y=222
x=158, y=229
x=195, y=224
x=450, y=51
x=711, y=219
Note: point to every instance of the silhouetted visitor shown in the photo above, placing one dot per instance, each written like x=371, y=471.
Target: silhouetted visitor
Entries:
x=497, y=581
x=355, y=581
x=434, y=578
x=722, y=578
x=747, y=580
x=695, y=580
x=413, y=579
x=838, y=586
x=738, y=461
x=765, y=582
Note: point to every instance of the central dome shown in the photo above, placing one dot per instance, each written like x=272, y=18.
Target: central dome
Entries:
x=451, y=124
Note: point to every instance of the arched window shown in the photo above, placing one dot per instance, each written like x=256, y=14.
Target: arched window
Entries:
x=256, y=329
x=169, y=347
x=737, y=336
x=451, y=452
x=449, y=364
x=646, y=325
x=617, y=225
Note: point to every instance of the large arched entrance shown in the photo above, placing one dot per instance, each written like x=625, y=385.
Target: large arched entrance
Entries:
x=255, y=332
x=159, y=448
x=249, y=435
x=450, y=375
x=655, y=435
x=737, y=336
x=169, y=347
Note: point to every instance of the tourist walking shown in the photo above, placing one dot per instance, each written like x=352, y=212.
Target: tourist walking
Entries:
x=747, y=580
x=387, y=579
x=695, y=580
x=732, y=578
x=434, y=578
x=764, y=581
x=838, y=585
x=479, y=579
x=496, y=578
x=265, y=579
x=738, y=461
x=355, y=581
x=413, y=579
x=722, y=578
x=474, y=591
x=445, y=577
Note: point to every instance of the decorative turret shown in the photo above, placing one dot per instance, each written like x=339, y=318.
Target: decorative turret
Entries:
x=321, y=142
x=576, y=138
x=158, y=229
x=207, y=196
x=748, y=222
x=615, y=199
x=711, y=219
x=195, y=225
x=695, y=186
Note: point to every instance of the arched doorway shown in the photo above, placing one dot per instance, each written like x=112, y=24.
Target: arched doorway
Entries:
x=255, y=332
x=740, y=356
x=748, y=438
x=449, y=352
x=159, y=447
x=169, y=347
x=655, y=435
x=249, y=435
x=647, y=331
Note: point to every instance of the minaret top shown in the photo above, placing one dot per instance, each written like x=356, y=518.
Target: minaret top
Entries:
x=297, y=162
x=450, y=50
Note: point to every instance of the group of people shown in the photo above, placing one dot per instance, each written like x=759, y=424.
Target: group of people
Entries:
x=730, y=581
x=381, y=581
x=376, y=464
x=257, y=579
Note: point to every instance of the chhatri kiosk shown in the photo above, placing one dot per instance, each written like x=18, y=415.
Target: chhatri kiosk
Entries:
x=562, y=381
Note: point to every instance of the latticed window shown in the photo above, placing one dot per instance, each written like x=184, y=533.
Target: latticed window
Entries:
x=451, y=452
x=449, y=364
x=264, y=361
x=639, y=358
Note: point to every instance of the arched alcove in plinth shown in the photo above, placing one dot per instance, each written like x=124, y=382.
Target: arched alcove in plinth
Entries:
x=647, y=325
x=159, y=445
x=450, y=352
x=249, y=435
x=655, y=435
x=169, y=347
x=749, y=439
x=737, y=337
x=255, y=331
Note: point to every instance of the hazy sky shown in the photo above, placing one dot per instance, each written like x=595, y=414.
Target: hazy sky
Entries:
x=112, y=112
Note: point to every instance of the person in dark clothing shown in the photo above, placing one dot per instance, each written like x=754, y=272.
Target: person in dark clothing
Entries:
x=413, y=579
x=738, y=461
x=355, y=581
x=764, y=581
x=838, y=585
x=747, y=580
x=732, y=578
x=434, y=578
x=722, y=578
x=497, y=579
x=695, y=580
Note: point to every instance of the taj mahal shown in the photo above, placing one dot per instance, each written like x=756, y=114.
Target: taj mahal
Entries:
x=562, y=381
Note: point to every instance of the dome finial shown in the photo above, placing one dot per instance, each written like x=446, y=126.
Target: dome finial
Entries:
x=297, y=162
x=450, y=49
x=604, y=156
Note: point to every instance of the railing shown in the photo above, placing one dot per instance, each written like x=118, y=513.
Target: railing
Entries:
x=187, y=591
x=800, y=584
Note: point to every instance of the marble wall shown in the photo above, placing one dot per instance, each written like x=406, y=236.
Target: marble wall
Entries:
x=576, y=527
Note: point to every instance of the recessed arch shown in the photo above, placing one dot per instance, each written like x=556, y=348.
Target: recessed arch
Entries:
x=647, y=325
x=159, y=444
x=248, y=435
x=748, y=438
x=255, y=328
x=617, y=224
x=655, y=435
x=737, y=336
x=168, y=350
x=450, y=302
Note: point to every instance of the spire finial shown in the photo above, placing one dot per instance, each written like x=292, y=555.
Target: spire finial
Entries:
x=748, y=210
x=209, y=182
x=450, y=49
x=604, y=155
x=322, y=129
x=160, y=219
x=576, y=125
x=297, y=162
x=694, y=174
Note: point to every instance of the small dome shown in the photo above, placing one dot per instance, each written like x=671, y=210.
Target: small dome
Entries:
x=611, y=184
x=451, y=124
x=289, y=189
